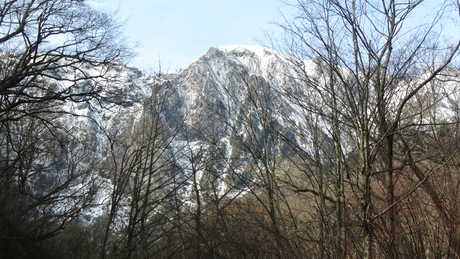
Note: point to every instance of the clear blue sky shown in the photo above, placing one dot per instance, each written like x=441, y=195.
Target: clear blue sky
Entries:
x=179, y=31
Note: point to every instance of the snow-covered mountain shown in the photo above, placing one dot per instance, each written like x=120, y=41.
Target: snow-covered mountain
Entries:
x=216, y=109
x=206, y=126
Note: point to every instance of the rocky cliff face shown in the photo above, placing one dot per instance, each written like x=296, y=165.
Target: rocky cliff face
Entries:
x=218, y=108
x=214, y=89
x=214, y=121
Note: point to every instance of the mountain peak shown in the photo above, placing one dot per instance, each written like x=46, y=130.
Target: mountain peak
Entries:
x=259, y=50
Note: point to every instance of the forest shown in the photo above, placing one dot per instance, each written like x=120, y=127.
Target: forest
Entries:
x=368, y=168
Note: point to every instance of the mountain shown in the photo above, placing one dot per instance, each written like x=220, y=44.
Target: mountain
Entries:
x=218, y=109
x=210, y=129
x=245, y=148
x=216, y=84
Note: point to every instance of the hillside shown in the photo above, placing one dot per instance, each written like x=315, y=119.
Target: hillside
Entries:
x=241, y=150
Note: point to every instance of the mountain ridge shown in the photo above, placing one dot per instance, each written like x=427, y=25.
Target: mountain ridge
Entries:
x=220, y=107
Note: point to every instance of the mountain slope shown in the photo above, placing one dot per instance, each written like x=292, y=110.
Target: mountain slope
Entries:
x=215, y=124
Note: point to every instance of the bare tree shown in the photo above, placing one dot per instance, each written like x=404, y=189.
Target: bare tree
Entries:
x=374, y=57
x=52, y=52
x=141, y=168
x=257, y=151
x=44, y=40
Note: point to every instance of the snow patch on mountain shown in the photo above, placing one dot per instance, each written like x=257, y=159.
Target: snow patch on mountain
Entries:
x=260, y=51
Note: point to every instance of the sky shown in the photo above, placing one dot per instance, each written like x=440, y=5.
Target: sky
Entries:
x=174, y=33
